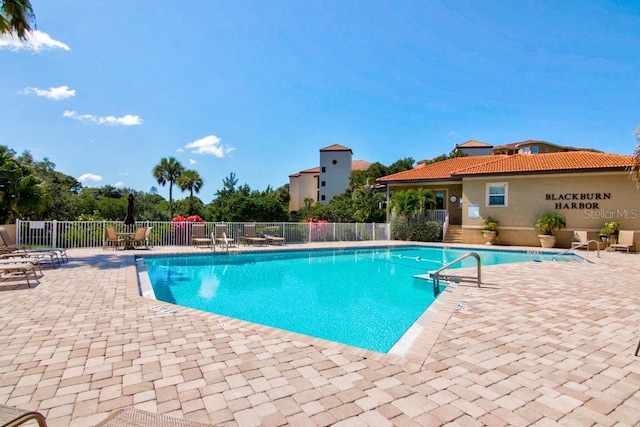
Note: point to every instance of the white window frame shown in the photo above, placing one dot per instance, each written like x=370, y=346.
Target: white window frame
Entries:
x=506, y=194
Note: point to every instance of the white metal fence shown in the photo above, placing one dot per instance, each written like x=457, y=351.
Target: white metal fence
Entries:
x=89, y=234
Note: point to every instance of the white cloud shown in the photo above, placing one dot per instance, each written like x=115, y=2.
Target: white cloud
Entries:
x=209, y=145
x=119, y=184
x=192, y=162
x=126, y=120
x=37, y=42
x=89, y=177
x=56, y=93
x=180, y=150
x=453, y=132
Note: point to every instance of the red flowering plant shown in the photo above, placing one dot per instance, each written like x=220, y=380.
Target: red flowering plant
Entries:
x=179, y=227
x=319, y=229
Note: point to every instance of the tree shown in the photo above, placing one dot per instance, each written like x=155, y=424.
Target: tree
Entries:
x=21, y=192
x=168, y=170
x=635, y=169
x=190, y=180
x=16, y=17
x=367, y=204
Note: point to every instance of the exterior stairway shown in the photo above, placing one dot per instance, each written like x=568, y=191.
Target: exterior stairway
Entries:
x=454, y=234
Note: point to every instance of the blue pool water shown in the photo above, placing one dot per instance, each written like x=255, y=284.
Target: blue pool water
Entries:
x=365, y=298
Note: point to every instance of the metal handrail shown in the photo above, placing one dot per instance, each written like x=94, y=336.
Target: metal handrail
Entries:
x=580, y=246
x=435, y=275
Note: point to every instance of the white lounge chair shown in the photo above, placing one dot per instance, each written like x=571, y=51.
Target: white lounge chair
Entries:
x=625, y=242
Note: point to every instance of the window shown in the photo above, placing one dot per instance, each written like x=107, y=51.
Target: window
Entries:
x=497, y=194
x=334, y=162
x=525, y=150
x=324, y=169
x=322, y=197
x=323, y=184
x=534, y=149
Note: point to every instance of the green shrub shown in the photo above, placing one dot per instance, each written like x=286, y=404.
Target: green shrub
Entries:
x=417, y=231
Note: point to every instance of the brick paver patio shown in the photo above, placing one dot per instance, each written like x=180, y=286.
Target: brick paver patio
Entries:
x=541, y=343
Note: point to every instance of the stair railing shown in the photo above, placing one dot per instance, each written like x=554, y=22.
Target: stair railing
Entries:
x=581, y=245
x=445, y=226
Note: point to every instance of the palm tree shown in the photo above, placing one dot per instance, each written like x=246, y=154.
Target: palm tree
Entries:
x=16, y=17
x=168, y=170
x=421, y=198
x=367, y=203
x=635, y=169
x=190, y=180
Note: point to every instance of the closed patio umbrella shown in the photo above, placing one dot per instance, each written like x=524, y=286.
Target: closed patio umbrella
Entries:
x=129, y=220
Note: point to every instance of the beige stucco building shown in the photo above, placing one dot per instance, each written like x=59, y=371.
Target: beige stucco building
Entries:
x=588, y=188
x=321, y=184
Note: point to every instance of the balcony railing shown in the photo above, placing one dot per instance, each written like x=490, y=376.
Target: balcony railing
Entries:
x=90, y=234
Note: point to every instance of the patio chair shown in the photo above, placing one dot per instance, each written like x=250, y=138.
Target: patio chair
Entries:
x=580, y=240
x=199, y=236
x=625, y=241
x=10, y=246
x=135, y=417
x=147, y=237
x=113, y=239
x=11, y=417
x=138, y=237
x=250, y=236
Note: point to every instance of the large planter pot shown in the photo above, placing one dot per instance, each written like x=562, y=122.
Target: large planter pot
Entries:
x=547, y=241
x=489, y=237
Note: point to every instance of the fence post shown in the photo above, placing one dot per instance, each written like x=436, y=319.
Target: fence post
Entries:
x=373, y=231
x=54, y=234
x=18, y=234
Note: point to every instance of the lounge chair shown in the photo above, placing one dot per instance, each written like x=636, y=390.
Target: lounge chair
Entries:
x=23, y=267
x=580, y=240
x=221, y=237
x=273, y=240
x=11, y=417
x=113, y=239
x=199, y=236
x=135, y=417
x=10, y=246
x=625, y=241
x=250, y=236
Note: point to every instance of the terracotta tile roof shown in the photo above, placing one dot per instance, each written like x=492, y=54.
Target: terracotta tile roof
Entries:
x=311, y=170
x=360, y=165
x=336, y=147
x=438, y=171
x=570, y=161
x=472, y=143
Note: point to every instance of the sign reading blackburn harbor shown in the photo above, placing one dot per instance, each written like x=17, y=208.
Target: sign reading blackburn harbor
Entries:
x=577, y=200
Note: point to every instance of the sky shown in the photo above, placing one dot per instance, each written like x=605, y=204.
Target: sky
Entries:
x=107, y=89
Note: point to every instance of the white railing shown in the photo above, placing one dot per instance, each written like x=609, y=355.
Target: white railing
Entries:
x=445, y=226
x=90, y=234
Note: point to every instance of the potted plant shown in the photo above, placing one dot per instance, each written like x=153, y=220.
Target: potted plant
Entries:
x=547, y=225
x=609, y=233
x=490, y=230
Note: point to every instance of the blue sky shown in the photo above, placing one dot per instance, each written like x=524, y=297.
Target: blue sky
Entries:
x=106, y=89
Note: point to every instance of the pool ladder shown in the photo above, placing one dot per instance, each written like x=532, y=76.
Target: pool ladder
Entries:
x=437, y=275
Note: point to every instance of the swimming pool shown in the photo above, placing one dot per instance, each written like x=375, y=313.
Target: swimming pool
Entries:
x=365, y=298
